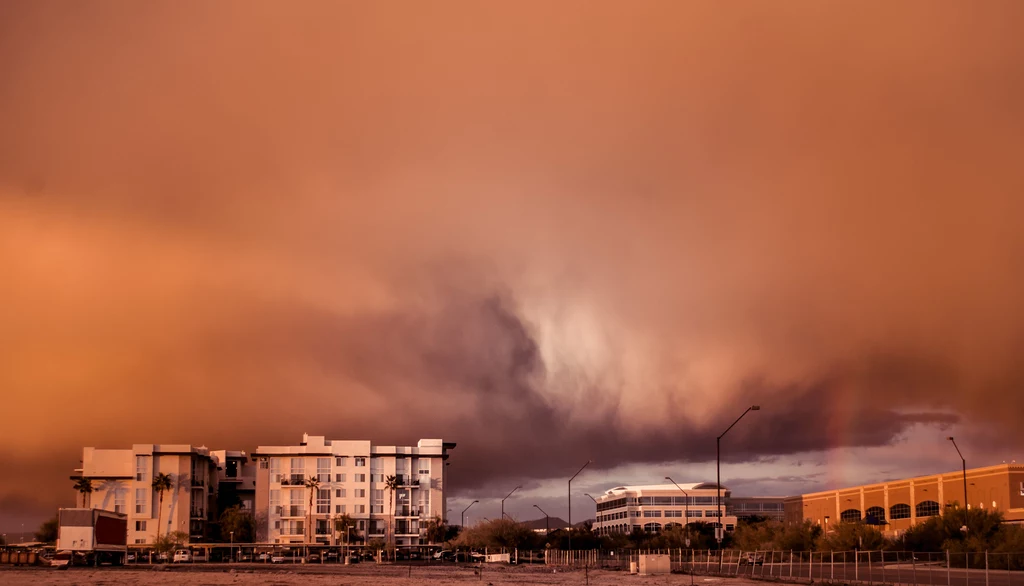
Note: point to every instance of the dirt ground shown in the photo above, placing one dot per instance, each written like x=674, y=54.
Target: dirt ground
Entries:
x=348, y=576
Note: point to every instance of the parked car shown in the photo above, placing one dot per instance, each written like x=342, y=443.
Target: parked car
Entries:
x=753, y=559
x=182, y=555
x=313, y=558
x=130, y=558
x=277, y=558
x=263, y=557
x=331, y=556
x=163, y=557
x=444, y=555
x=245, y=557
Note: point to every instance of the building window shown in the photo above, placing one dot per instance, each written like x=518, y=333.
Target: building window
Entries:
x=140, y=525
x=339, y=478
x=899, y=511
x=323, y=527
x=877, y=512
x=359, y=510
x=673, y=513
x=231, y=469
x=850, y=515
x=376, y=470
x=275, y=498
x=139, y=541
x=339, y=492
x=264, y=464
x=360, y=493
x=141, y=468
x=119, y=504
x=140, y=501
x=927, y=509
x=712, y=513
x=652, y=513
x=695, y=513
x=298, y=470
x=359, y=477
x=341, y=461
x=359, y=462
x=275, y=470
x=339, y=509
x=652, y=527
x=323, y=470
x=423, y=466
x=424, y=502
x=377, y=506
x=323, y=501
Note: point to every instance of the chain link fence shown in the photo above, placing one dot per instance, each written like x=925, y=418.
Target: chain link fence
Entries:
x=867, y=567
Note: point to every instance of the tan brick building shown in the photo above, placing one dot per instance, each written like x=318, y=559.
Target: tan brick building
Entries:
x=903, y=503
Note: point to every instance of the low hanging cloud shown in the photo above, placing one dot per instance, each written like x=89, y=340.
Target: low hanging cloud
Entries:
x=606, y=242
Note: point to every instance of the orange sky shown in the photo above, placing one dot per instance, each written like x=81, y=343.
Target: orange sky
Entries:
x=507, y=224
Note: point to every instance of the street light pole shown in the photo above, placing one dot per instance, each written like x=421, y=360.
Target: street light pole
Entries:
x=964, y=463
x=686, y=504
x=547, y=521
x=503, y=501
x=589, y=462
x=720, y=532
x=464, y=513
x=231, y=547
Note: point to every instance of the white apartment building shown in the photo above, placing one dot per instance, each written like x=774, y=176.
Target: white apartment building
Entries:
x=122, y=482
x=660, y=506
x=351, y=477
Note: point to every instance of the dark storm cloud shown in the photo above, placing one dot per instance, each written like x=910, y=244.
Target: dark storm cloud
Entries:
x=549, y=233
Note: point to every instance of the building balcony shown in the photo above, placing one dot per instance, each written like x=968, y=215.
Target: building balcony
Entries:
x=198, y=482
x=293, y=480
x=407, y=511
x=291, y=510
x=407, y=480
x=197, y=513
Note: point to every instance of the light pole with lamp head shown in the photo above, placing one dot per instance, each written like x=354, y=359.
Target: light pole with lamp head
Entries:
x=964, y=463
x=503, y=502
x=720, y=532
x=547, y=521
x=686, y=503
x=589, y=462
x=595, y=503
x=464, y=514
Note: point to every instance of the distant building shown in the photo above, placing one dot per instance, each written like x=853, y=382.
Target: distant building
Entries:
x=758, y=507
x=122, y=482
x=660, y=506
x=899, y=504
x=351, y=477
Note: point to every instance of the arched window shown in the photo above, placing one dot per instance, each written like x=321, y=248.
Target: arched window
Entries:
x=927, y=509
x=899, y=511
x=652, y=527
x=850, y=515
x=671, y=525
x=877, y=512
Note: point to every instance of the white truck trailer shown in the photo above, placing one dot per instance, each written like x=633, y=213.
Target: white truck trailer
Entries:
x=92, y=536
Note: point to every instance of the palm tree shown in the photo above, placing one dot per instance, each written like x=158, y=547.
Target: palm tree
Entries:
x=312, y=483
x=162, y=483
x=84, y=486
x=390, y=484
x=435, y=530
x=344, y=523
